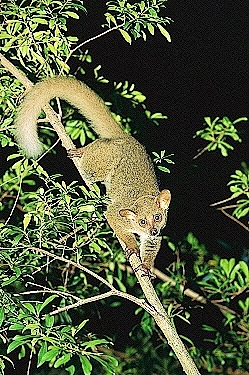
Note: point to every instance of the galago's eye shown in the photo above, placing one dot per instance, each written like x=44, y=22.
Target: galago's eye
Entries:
x=158, y=217
x=142, y=222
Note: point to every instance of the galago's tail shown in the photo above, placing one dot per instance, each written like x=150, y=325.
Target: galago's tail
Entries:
x=74, y=92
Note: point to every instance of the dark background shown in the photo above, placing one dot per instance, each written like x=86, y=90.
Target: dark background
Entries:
x=202, y=72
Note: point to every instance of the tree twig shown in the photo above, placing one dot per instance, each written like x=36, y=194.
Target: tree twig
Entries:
x=233, y=218
x=90, y=40
x=225, y=200
x=114, y=291
x=203, y=150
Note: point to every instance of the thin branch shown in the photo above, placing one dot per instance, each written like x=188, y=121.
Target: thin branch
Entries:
x=138, y=301
x=203, y=150
x=16, y=200
x=83, y=302
x=225, y=200
x=227, y=207
x=90, y=40
x=210, y=144
x=16, y=72
x=59, y=293
x=48, y=290
x=233, y=218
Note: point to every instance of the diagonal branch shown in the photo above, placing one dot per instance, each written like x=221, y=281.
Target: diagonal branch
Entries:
x=233, y=218
x=114, y=291
x=90, y=40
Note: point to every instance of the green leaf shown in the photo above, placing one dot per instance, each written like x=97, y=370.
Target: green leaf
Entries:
x=49, y=320
x=51, y=354
x=151, y=28
x=125, y=35
x=86, y=365
x=72, y=14
x=164, y=169
x=71, y=369
x=26, y=220
x=1, y=315
x=62, y=360
x=153, y=12
x=31, y=326
x=234, y=272
x=39, y=308
x=164, y=32
x=14, y=344
x=40, y=20
x=141, y=5
x=41, y=353
x=16, y=327
x=240, y=119
x=29, y=307
x=96, y=342
x=80, y=326
x=244, y=268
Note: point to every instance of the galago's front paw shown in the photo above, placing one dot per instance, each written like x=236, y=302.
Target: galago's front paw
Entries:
x=146, y=271
x=75, y=152
x=129, y=251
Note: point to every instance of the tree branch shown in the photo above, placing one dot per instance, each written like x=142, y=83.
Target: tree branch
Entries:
x=233, y=218
x=90, y=40
x=114, y=291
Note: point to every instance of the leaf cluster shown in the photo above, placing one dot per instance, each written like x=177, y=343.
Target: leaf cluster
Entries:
x=138, y=17
x=217, y=131
x=36, y=32
x=223, y=283
x=239, y=185
x=56, y=344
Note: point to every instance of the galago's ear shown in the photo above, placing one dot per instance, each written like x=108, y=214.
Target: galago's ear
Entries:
x=163, y=199
x=128, y=214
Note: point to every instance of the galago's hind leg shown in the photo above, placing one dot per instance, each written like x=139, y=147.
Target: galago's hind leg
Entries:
x=75, y=152
x=98, y=160
x=78, y=153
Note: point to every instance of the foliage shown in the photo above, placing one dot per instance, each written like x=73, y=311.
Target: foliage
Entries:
x=162, y=157
x=136, y=17
x=239, y=185
x=56, y=217
x=224, y=283
x=217, y=131
x=35, y=31
x=45, y=212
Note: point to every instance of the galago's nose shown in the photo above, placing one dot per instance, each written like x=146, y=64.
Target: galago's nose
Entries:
x=154, y=232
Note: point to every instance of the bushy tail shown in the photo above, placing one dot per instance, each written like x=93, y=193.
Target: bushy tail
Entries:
x=74, y=92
